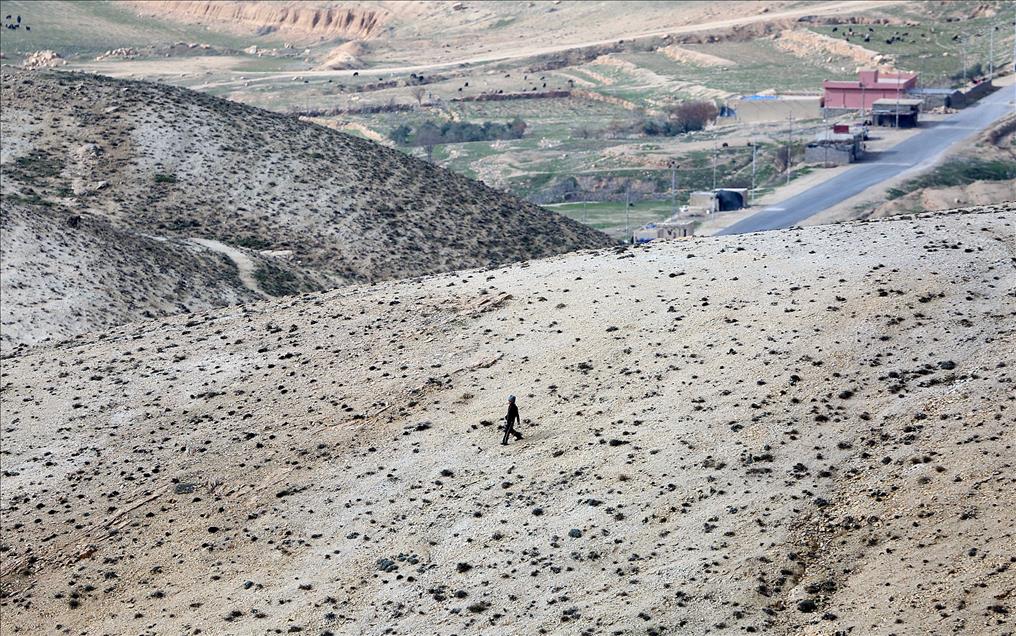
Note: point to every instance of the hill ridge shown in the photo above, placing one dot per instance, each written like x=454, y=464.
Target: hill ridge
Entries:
x=170, y=162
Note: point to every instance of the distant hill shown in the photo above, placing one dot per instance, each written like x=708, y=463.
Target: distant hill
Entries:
x=147, y=162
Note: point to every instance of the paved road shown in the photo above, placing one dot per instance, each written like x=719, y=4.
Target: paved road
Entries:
x=916, y=153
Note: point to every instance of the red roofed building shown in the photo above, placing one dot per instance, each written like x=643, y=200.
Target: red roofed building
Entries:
x=870, y=87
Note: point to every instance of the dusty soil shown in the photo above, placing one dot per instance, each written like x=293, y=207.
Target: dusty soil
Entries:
x=66, y=273
x=697, y=58
x=800, y=432
x=438, y=37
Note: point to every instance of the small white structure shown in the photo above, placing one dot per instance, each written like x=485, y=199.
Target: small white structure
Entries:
x=664, y=230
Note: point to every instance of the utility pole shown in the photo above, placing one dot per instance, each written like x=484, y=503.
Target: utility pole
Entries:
x=897, y=104
x=715, y=151
x=991, y=50
x=673, y=188
x=963, y=56
x=627, y=211
x=754, y=147
x=790, y=143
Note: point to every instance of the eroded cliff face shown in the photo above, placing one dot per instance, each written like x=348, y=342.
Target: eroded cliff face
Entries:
x=296, y=18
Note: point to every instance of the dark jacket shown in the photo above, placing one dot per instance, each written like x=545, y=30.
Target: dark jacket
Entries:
x=513, y=415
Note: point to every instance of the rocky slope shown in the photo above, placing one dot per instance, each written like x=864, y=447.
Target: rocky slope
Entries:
x=154, y=161
x=801, y=432
x=65, y=274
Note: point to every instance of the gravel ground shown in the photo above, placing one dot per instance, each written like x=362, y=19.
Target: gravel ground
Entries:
x=797, y=432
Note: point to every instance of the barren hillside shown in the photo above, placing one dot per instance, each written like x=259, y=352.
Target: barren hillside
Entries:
x=65, y=274
x=156, y=161
x=799, y=432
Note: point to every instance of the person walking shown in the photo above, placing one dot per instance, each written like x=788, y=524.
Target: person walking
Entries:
x=510, y=420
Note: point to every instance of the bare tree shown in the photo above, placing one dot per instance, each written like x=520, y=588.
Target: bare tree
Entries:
x=428, y=135
x=693, y=115
x=418, y=92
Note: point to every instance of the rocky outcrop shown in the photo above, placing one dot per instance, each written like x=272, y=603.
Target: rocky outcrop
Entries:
x=43, y=59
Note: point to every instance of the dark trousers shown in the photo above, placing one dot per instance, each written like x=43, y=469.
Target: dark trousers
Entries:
x=509, y=429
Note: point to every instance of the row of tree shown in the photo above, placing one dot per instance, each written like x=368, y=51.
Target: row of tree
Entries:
x=433, y=133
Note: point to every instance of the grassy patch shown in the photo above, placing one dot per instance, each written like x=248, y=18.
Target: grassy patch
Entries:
x=30, y=198
x=87, y=28
x=38, y=164
x=958, y=172
x=610, y=216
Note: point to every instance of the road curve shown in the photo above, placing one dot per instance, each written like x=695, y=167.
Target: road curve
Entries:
x=916, y=153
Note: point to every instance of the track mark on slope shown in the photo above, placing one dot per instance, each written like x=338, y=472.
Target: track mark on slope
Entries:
x=244, y=264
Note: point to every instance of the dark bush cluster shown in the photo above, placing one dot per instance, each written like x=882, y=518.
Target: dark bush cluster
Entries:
x=431, y=133
x=681, y=118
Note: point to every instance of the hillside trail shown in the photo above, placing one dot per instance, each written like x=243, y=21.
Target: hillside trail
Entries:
x=244, y=264
x=502, y=55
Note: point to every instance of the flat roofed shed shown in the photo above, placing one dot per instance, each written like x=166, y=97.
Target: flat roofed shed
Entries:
x=893, y=103
x=901, y=113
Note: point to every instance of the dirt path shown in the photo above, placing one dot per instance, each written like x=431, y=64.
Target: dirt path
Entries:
x=833, y=7
x=244, y=264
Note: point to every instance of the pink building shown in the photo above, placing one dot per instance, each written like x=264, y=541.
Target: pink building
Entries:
x=870, y=87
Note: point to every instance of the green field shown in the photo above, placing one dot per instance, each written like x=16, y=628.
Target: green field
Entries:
x=931, y=50
x=89, y=27
x=609, y=216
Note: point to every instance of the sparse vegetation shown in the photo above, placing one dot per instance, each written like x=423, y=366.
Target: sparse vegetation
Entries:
x=252, y=242
x=958, y=172
x=276, y=281
x=38, y=164
x=346, y=210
